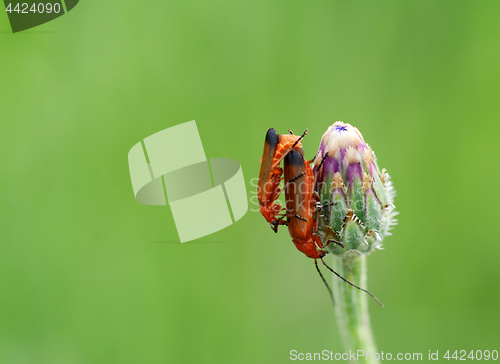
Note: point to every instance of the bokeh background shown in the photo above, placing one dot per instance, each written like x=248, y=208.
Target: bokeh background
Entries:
x=88, y=275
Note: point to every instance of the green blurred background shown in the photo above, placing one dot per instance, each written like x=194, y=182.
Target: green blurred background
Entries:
x=88, y=275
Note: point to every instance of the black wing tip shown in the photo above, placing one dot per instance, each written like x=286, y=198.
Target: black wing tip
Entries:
x=272, y=137
x=294, y=158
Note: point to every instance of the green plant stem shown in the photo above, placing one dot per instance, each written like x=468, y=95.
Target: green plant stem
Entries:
x=351, y=306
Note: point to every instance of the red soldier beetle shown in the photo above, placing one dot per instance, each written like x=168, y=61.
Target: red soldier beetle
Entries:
x=276, y=147
x=301, y=206
x=301, y=210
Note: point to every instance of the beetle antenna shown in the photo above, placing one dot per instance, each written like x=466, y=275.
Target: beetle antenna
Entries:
x=299, y=139
x=324, y=281
x=345, y=280
x=319, y=167
x=322, y=160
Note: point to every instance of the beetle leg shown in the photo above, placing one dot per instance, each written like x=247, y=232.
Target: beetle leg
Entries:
x=318, y=241
x=300, y=217
x=293, y=179
x=297, y=177
x=336, y=242
x=321, y=207
x=312, y=160
x=277, y=223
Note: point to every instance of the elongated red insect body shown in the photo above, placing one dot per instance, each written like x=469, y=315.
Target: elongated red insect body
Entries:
x=301, y=201
x=275, y=149
x=301, y=205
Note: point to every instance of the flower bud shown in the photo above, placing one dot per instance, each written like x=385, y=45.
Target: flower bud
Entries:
x=357, y=197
